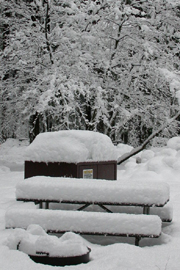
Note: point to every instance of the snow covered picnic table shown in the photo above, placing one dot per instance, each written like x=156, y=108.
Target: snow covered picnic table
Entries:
x=145, y=193
x=103, y=193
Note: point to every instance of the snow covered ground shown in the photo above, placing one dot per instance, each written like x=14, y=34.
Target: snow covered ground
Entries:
x=110, y=253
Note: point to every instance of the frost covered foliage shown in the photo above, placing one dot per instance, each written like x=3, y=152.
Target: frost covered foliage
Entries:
x=93, y=65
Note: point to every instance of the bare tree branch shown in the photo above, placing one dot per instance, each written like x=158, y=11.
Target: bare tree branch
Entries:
x=142, y=146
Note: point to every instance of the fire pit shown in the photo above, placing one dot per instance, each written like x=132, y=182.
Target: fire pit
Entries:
x=69, y=249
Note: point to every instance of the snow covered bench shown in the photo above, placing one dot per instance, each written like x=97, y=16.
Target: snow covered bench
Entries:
x=95, y=223
x=104, y=193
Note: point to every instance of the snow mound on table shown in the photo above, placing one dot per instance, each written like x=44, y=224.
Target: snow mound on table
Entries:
x=35, y=241
x=71, y=146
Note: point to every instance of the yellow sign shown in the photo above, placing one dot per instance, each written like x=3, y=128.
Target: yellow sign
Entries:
x=88, y=173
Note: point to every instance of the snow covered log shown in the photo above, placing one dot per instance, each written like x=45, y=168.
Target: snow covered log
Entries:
x=137, y=193
x=60, y=221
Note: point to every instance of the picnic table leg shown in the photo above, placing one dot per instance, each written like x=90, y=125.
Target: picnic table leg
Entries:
x=47, y=205
x=137, y=240
x=105, y=208
x=41, y=205
x=146, y=210
x=84, y=206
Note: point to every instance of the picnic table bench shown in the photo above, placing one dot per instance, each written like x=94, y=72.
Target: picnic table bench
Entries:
x=88, y=223
x=85, y=192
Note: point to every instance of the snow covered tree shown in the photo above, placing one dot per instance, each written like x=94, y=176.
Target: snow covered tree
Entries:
x=96, y=65
x=24, y=58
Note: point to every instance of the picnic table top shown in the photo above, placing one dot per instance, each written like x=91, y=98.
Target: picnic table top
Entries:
x=122, y=192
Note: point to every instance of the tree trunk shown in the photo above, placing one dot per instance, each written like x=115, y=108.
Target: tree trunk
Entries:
x=47, y=30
